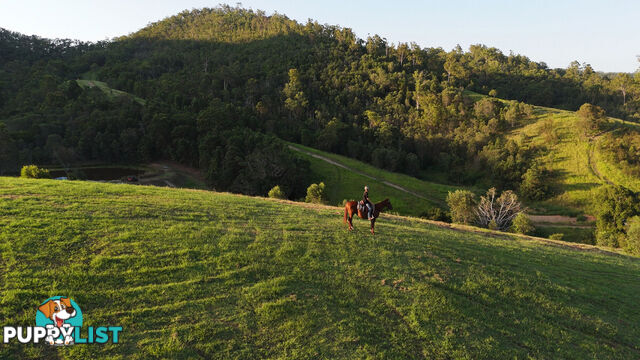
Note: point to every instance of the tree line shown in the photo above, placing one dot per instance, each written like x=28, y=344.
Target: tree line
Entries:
x=224, y=86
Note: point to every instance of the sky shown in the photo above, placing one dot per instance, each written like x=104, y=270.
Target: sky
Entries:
x=601, y=33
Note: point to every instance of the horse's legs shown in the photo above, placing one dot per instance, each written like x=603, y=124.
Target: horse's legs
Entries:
x=373, y=223
x=350, y=221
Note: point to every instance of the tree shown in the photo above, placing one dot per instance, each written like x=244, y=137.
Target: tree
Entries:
x=63, y=155
x=535, y=183
x=498, y=211
x=243, y=161
x=8, y=151
x=522, y=224
x=462, y=204
x=487, y=108
x=623, y=83
x=401, y=52
x=310, y=83
x=295, y=101
x=418, y=79
x=455, y=66
x=592, y=118
x=411, y=164
x=633, y=235
x=615, y=206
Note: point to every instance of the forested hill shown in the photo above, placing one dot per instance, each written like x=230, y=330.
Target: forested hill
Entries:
x=222, y=86
x=480, y=69
x=221, y=25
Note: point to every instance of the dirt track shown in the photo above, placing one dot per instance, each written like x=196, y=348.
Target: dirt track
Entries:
x=560, y=220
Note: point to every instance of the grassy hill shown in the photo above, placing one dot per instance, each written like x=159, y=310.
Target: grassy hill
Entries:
x=191, y=274
x=568, y=156
x=107, y=90
x=575, y=160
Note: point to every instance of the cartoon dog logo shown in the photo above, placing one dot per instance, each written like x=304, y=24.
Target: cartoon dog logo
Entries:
x=59, y=311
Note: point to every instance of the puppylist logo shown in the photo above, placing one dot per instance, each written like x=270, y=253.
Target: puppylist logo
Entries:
x=59, y=322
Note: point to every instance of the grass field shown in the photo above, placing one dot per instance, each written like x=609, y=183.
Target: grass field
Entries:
x=111, y=93
x=197, y=274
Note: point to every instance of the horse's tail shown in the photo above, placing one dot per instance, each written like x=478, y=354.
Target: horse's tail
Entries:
x=345, y=213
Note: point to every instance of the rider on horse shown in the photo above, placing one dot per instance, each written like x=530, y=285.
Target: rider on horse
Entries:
x=367, y=203
x=359, y=208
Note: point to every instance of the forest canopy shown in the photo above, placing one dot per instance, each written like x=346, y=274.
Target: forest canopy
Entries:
x=223, y=87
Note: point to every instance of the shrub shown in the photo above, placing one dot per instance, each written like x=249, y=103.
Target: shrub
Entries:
x=522, y=224
x=535, y=184
x=316, y=194
x=462, y=204
x=436, y=214
x=557, y=236
x=493, y=225
x=493, y=93
x=276, y=193
x=549, y=131
x=581, y=218
x=34, y=172
x=633, y=235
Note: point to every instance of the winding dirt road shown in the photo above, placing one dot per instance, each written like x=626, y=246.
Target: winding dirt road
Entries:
x=594, y=167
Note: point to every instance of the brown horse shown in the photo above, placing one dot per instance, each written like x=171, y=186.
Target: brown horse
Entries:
x=351, y=207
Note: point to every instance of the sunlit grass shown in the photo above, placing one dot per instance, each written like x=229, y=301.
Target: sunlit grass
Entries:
x=111, y=93
x=614, y=173
x=198, y=274
x=567, y=156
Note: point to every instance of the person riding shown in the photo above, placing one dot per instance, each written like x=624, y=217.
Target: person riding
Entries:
x=367, y=203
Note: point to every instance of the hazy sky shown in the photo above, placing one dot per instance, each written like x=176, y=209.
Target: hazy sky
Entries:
x=601, y=33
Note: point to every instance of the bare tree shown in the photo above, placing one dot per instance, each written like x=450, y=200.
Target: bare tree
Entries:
x=498, y=212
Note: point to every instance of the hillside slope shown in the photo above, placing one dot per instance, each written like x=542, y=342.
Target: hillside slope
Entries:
x=201, y=274
x=578, y=167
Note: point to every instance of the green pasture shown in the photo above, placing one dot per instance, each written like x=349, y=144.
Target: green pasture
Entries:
x=111, y=93
x=196, y=274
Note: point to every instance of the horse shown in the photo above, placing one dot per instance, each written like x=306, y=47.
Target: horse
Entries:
x=351, y=207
